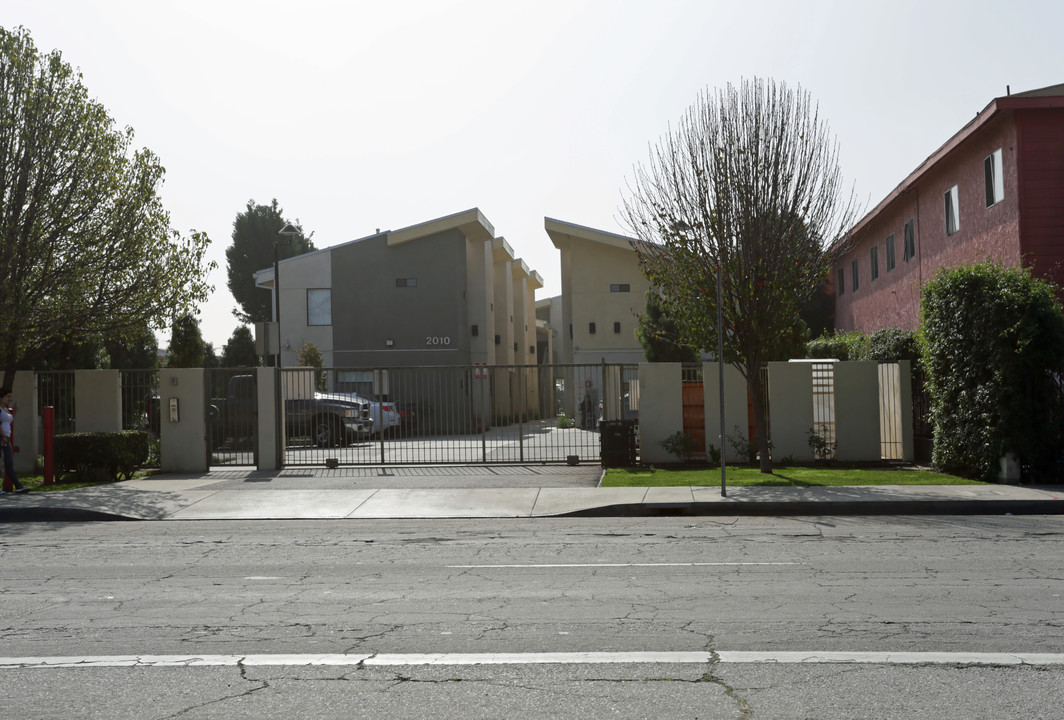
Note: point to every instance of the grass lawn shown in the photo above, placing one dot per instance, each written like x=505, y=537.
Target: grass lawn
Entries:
x=796, y=476
x=36, y=484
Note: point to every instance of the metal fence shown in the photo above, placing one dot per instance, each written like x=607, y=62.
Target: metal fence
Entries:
x=232, y=416
x=453, y=414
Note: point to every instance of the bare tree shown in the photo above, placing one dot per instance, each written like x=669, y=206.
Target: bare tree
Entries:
x=747, y=184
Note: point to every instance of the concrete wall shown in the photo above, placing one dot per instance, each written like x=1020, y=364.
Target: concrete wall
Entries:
x=660, y=409
x=98, y=400
x=857, y=413
x=271, y=434
x=183, y=444
x=735, y=408
x=26, y=432
x=298, y=274
x=790, y=401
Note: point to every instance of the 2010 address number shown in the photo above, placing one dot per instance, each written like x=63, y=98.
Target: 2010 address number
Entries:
x=435, y=340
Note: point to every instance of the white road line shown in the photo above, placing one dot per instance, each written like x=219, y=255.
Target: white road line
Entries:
x=559, y=658
x=615, y=565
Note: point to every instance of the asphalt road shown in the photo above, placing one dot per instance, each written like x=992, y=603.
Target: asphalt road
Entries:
x=263, y=602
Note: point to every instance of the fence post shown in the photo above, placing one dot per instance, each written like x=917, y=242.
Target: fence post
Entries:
x=48, y=415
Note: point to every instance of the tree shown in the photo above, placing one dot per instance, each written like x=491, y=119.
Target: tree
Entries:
x=747, y=183
x=310, y=356
x=187, y=349
x=137, y=350
x=660, y=337
x=240, y=350
x=254, y=233
x=86, y=247
x=993, y=349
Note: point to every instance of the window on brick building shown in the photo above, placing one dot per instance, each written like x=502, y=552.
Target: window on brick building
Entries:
x=855, y=280
x=995, y=181
x=841, y=285
x=953, y=211
x=874, y=262
x=910, y=240
x=890, y=252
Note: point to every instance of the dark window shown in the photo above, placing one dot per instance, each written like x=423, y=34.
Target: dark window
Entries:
x=953, y=210
x=617, y=328
x=515, y=347
x=874, y=261
x=995, y=183
x=910, y=240
x=406, y=282
x=476, y=330
x=531, y=349
x=625, y=287
x=591, y=328
x=570, y=331
x=854, y=281
x=890, y=252
x=498, y=339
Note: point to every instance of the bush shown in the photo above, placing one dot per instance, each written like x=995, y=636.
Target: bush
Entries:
x=101, y=456
x=679, y=444
x=891, y=345
x=840, y=346
x=565, y=422
x=992, y=340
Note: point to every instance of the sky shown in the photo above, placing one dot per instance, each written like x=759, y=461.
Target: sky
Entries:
x=364, y=115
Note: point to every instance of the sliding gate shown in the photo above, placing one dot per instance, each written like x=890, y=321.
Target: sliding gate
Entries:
x=453, y=415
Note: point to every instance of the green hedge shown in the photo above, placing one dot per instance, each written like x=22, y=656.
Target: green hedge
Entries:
x=888, y=345
x=993, y=347
x=101, y=456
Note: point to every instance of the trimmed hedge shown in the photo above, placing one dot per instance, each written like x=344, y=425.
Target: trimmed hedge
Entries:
x=888, y=345
x=992, y=339
x=101, y=456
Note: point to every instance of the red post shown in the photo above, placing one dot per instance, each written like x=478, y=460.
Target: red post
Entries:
x=48, y=416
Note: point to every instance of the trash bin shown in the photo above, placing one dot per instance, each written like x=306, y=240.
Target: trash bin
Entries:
x=618, y=443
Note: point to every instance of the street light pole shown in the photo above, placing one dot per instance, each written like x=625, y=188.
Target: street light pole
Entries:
x=720, y=369
x=288, y=232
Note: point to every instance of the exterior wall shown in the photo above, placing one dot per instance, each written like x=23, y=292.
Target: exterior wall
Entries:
x=26, y=432
x=662, y=417
x=790, y=400
x=504, y=303
x=735, y=407
x=271, y=430
x=100, y=390
x=298, y=274
x=479, y=296
x=596, y=267
x=427, y=324
x=1041, y=159
x=893, y=300
x=183, y=445
x=857, y=414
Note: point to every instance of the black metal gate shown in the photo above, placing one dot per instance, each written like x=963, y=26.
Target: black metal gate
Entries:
x=232, y=417
x=452, y=414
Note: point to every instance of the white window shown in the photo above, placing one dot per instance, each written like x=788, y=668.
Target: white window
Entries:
x=995, y=181
x=319, y=306
x=953, y=211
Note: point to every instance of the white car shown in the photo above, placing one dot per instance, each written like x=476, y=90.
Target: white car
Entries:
x=385, y=415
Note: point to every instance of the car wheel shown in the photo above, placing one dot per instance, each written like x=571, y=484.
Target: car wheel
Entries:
x=326, y=432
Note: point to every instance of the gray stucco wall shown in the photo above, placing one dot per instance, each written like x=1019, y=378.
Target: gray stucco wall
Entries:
x=427, y=323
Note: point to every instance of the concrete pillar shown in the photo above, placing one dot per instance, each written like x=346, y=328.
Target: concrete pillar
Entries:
x=661, y=409
x=735, y=408
x=790, y=402
x=27, y=422
x=271, y=437
x=857, y=412
x=183, y=440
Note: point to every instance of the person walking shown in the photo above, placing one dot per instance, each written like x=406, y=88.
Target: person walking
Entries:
x=7, y=416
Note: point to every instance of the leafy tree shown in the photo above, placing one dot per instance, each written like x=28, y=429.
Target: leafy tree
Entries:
x=86, y=248
x=748, y=183
x=134, y=351
x=240, y=350
x=187, y=349
x=993, y=349
x=310, y=356
x=659, y=336
x=254, y=233
x=210, y=357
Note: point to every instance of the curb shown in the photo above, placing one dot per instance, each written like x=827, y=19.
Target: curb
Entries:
x=788, y=509
x=52, y=514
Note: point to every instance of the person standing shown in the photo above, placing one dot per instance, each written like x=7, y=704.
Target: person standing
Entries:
x=7, y=416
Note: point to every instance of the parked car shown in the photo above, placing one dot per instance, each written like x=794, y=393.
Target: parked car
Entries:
x=385, y=415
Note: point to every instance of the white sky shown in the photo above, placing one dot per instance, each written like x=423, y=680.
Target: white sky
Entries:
x=363, y=115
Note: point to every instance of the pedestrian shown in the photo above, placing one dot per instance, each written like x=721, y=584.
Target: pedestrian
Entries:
x=7, y=416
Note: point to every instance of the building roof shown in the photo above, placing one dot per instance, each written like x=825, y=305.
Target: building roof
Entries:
x=561, y=232
x=1047, y=97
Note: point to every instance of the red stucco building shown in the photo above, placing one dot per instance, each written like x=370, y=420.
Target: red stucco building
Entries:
x=994, y=191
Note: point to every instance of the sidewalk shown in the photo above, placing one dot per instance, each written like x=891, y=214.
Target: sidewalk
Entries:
x=486, y=492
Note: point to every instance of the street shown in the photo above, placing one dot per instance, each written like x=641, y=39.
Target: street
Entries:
x=377, y=618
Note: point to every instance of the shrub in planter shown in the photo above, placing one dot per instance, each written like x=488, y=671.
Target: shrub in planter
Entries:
x=101, y=456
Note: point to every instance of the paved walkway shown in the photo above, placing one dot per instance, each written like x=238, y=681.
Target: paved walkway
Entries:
x=489, y=492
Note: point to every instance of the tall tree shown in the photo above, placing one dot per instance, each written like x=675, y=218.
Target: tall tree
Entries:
x=254, y=233
x=133, y=351
x=187, y=349
x=661, y=339
x=240, y=350
x=86, y=247
x=748, y=183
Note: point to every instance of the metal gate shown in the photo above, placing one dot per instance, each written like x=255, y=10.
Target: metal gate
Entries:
x=452, y=414
x=232, y=417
